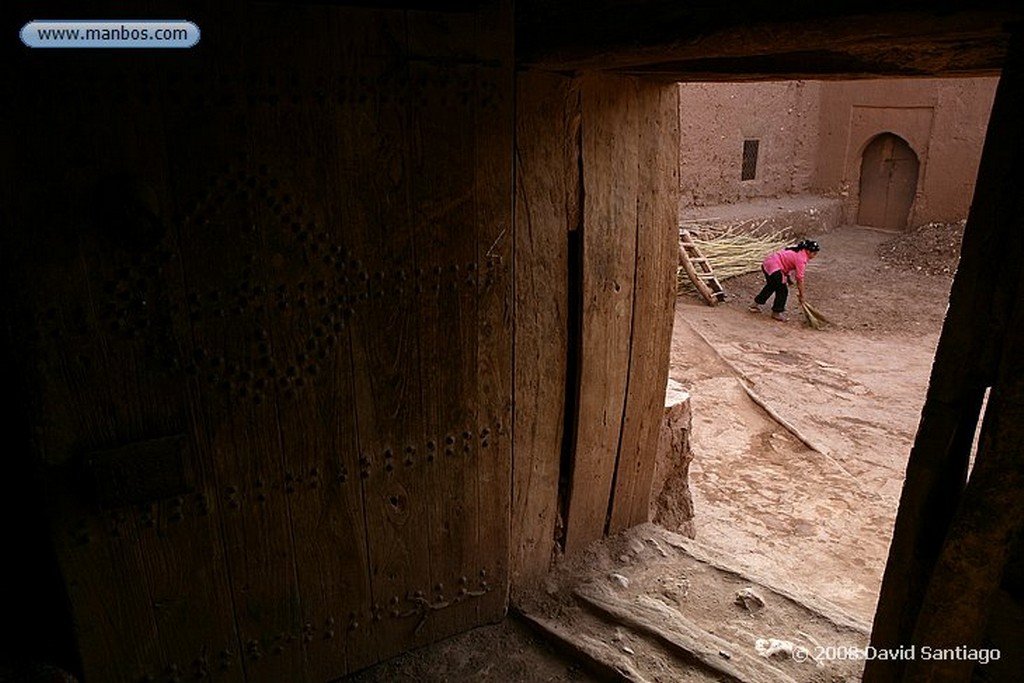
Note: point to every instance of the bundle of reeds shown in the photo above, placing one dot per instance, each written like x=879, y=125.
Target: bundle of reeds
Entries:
x=731, y=252
x=814, y=317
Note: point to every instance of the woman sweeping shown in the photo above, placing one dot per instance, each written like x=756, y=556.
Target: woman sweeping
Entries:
x=780, y=268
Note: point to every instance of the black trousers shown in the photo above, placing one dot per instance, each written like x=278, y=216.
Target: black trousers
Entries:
x=774, y=284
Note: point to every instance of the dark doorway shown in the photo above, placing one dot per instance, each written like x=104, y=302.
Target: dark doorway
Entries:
x=888, y=180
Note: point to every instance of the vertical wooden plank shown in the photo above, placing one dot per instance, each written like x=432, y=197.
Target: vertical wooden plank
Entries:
x=238, y=422
x=443, y=202
x=107, y=306
x=494, y=129
x=545, y=162
x=653, y=303
x=180, y=535
x=225, y=189
x=610, y=125
x=377, y=148
x=82, y=375
x=964, y=587
x=192, y=79
x=309, y=274
x=83, y=406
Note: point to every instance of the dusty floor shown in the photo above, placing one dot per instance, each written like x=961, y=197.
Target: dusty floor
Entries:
x=807, y=529
x=821, y=519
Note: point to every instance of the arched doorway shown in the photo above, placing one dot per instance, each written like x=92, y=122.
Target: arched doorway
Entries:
x=888, y=180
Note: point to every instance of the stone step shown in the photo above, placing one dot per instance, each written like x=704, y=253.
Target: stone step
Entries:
x=650, y=605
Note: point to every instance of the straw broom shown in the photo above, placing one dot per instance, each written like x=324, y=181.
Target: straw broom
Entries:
x=814, y=317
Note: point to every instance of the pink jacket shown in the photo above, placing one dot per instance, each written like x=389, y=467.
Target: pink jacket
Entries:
x=788, y=262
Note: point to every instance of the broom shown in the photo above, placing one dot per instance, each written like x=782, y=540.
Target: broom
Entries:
x=814, y=317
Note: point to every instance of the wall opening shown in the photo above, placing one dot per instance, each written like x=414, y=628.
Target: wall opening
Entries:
x=749, y=168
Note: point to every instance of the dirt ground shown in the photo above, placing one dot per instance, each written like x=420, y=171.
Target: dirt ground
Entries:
x=820, y=519
x=806, y=528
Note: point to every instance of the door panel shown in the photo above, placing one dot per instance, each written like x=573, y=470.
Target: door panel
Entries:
x=888, y=182
x=286, y=254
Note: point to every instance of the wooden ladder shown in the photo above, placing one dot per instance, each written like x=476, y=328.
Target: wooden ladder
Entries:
x=699, y=269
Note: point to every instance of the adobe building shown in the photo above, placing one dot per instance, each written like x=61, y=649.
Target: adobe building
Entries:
x=321, y=335
x=893, y=154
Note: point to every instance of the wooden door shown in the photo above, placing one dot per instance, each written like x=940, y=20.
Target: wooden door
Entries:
x=888, y=182
x=261, y=294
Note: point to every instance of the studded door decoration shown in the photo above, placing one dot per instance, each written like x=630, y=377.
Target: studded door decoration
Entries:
x=262, y=303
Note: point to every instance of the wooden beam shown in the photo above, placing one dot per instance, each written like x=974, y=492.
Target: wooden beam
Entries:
x=684, y=637
x=653, y=302
x=495, y=250
x=674, y=41
x=545, y=165
x=963, y=587
x=609, y=127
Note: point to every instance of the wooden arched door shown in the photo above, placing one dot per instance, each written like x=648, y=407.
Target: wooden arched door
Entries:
x=888, y=180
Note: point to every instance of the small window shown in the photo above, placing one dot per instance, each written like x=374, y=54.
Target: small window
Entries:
x=749, y=171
